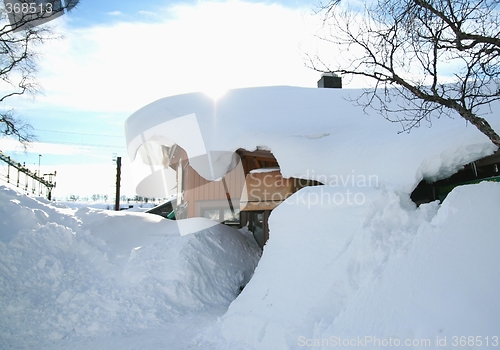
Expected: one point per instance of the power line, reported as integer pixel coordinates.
(85, 144)
(78, 133)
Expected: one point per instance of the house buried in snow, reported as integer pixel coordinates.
(245, 195)
(237, 158)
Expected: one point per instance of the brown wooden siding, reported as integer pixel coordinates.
(200, 189)
(197, 189)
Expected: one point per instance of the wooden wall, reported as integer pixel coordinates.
(199, 189)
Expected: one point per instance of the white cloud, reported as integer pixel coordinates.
(115, 13)
(209, 45)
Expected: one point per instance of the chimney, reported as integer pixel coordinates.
(330, 80)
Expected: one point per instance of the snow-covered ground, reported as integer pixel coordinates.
(368, 275)
(88, 278)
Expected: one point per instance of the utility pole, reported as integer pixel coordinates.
(118, 176)
(39, 175)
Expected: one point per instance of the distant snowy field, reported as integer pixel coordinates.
(385, 271)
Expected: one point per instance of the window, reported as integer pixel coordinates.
(212, 214)
(224, 215)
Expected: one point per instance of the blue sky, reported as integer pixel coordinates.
(117, 56)
(94, 12)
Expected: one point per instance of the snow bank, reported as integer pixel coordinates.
(383, 270)
(67, 273)
(445, 284)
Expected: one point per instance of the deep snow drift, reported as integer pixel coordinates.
(68, 274)
(339, 275)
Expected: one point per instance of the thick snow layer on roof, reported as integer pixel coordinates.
(313, 133)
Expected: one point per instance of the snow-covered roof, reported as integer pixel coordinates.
(313, 133)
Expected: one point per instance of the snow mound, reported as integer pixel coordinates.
(334, 272)
(67, 273)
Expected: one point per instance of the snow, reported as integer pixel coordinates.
(264, 170)
(351, 264)
(384, 269)
(313, 133)
(67, 274)
(445, 284)
(332, 271)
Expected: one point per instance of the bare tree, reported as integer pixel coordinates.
(438, 56)
(21, 31)
(11, 125)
